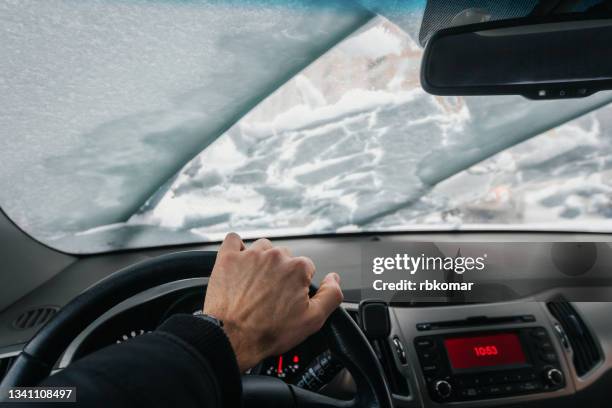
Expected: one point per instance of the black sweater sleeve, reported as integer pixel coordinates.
(186, 362)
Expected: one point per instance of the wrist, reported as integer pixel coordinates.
(246, 355)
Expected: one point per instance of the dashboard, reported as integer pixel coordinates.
(415, 372)
(490, 355)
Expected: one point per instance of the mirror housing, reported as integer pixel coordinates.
(539, 59)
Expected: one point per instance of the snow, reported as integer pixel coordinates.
(103, 101)
(350, 143)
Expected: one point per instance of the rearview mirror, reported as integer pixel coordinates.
(543, 60)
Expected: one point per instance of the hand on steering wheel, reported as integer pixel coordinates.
(261, 295)
(345, 340)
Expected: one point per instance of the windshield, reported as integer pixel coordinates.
(133, 123)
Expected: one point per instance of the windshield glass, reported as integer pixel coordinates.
(132, 123)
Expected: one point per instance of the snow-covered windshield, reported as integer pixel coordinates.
(129, 124)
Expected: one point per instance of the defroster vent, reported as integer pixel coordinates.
(34, 317)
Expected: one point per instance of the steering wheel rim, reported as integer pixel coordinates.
(347, 342)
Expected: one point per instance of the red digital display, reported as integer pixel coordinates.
(484, 351)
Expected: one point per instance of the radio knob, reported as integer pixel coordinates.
(554, 376)
(443, 389)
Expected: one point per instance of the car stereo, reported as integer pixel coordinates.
(489, 364)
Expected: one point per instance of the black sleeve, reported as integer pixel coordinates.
(186, 362)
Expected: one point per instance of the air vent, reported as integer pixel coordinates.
(586, 352)
(35, 317)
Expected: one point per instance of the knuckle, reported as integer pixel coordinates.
(227, 257)
(303, 264)
(275, 253)
(263, 241)
(285, 250)
(251, 256)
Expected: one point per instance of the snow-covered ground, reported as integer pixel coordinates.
(350, 143)
(342, 147)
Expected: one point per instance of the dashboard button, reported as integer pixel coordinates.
(516, 377)
(529, 375)
(429, 356)
(430, 368)
(539, 333)
(469, 392)
(501, 378)
(529, 386)
(545, 345)
(443, 389)
(493, 390)
(554, 377)
(548, 357)
(424, 343)
(468, 381)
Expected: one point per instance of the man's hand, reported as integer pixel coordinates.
(261, 295)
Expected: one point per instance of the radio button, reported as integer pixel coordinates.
(539, 333)
(545, 345)
(428, 356)
(494, 390)
(470, 392)
(424, 343)
(501, 378)
(554, 377)
(529, 386)
(530, 375)
(522, 376)
(548, 357)
(443, 389)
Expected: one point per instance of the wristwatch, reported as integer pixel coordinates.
(201, 315)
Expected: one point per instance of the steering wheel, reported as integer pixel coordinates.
(345, 339)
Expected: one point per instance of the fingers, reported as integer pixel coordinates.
(261, 245)
(231, 243)
(326, 300)
(264, 244)
(304, 264)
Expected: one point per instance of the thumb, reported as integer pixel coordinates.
(327, 299)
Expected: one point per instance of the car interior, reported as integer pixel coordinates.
(451, 128)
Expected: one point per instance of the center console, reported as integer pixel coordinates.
(479, 364)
